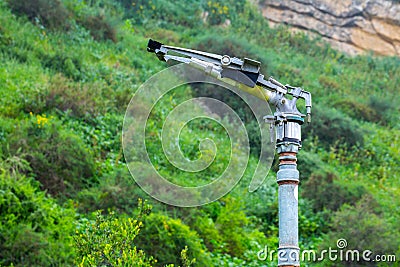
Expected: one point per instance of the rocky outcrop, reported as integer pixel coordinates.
(353, 26)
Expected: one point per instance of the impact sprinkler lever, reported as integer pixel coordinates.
(285, 126)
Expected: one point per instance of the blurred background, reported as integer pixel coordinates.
(69, 69)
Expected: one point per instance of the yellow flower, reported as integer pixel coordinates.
(41, 120)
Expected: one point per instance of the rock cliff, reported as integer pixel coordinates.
(353, 26)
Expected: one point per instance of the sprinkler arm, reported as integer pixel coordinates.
(244, 74)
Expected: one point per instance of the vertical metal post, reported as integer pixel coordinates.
(288, 136)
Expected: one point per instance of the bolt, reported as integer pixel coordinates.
(225, 60)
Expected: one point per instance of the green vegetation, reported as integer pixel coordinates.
(69, 69)
(35, 230)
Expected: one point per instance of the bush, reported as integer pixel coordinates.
(329, 83)
(70, 66)
(175, 13)
(230, 223)
(49, 13)
(58, 159)
(363, 228)
(109, 241)
(291, 75)
(97, 17)
(312, 224)
(102, 134)
(116, 191)
(226, 229)
(34, 230)
(309, 163)
(54, 15)
(207, 230)
(99, 27)
(357, 110)
(333, 128)
(386, 110)
(165, 238)
(326, 193)
(76, 99)
(217, 12)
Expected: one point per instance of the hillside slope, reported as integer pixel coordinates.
(69, 69)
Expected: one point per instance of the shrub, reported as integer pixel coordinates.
(109, 241)
(326, 193)
(70, 66)
(385, 109)
(49, 13)
(97, 17)
(116, 191)
(333, 128)
(79, 100)
(357, 110)
(363, 228)
(102, 134)
(58, 159)
(291, 75)
(233, 225)
(99, 27)
(309, 163)
(217, 13)
(230, 222)
(165, 238)
(207, 230)
(175, 13)
(329, 83)
(34, 230)
(312, 224)
(54, 15)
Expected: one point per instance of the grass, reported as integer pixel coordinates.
(85, 85)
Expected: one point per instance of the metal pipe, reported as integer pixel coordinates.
(288, 180)
(288, 135)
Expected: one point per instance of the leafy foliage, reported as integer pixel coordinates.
(58, 159)
(322, 188)
(333, 128)
(78, 101)
(114, 192)
(166, 238)
(110, 241)
(99, 28)
(364, 229)
(34, 229)
(51, 14)
(58, 64)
